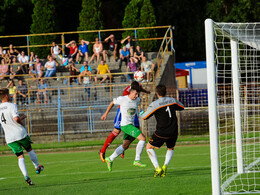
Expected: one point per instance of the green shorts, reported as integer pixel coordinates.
(17, 145)
(131, 130)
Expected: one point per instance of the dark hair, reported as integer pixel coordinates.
(135, 83)
(136, 88)
(3, 93)
(161, 90)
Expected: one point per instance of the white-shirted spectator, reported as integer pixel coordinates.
(148, 67)
(24, 60)
(50, 67)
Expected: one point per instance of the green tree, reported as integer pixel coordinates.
(147, 19)
(43, 21)
(90, 18)
(131, 17)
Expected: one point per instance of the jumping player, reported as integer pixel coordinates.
(129, 109)
(16, 135)
(117, 121)
(166, 129)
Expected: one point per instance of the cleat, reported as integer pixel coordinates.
(28, 181)
(39, 169)
(138, 163)
(164, 169)
(157, 172)
(122, 155)
(109, 164)
(102, 157)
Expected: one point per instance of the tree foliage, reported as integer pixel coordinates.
(147, 19)
(43, 21)
(90, 18)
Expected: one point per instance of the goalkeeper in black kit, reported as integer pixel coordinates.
(166, 129)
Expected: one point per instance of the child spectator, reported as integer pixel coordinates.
(36, 69)
(83, 68)
(83, 51)
(112, 48)
(148, 67)
(24, 60)
(42, 90)
(73, 50)
(103, 69)
(32, 58)
(51, 67)
(129, 44)
(73, 72)
(124, 56)
(131, 67)
(22, 91)
(86, 74)
(12, 90)
(97, 51)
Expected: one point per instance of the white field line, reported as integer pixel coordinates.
(103, 172)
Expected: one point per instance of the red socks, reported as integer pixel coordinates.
(108, 141)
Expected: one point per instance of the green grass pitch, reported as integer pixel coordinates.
(83, 173)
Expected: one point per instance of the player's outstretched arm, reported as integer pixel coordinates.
(104, 116)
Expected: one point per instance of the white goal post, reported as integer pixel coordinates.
(233, 72)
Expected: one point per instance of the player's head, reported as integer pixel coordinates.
(4, 94)
(134, 92)
(135, 83)
(161, 90)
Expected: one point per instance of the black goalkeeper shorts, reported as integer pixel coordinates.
(157, 142)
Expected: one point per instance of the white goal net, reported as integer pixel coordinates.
(233, 63)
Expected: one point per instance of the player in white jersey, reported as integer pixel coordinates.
(129, 108)
(15, 134)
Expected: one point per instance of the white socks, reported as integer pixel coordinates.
(22, 166)
(34, 159)
(117, 152)
(139, 150)
(153, 157)
(168, 157)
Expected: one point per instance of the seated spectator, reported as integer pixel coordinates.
(24, 60)
(50, 67)
(131, 67)
(124, 57)
(97, 51)
(85, 63)
(112, 48)
(55, 50)
(73, 72)
(32, 59)
(42, 91)
(15, 69)
(4, 70)
(86, 74)
(36, 69)
(83, 51)
(22, 92)
(148, 67)
(129, 44)
(12, 52)
(73, 50)
(12, 90)
(2, 52)
(138, 54)
(102, 70)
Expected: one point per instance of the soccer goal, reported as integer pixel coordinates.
(233, 72)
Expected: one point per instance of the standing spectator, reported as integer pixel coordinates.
(15, 69)
(4, 69)
(22, 91)
(83, 51)
(124, 56)
(73, 72)
(83, 68)
(36, 69)
(131, 67)
(12, 90)
(148, 67)
(73, 50)
(42, 90)
(138, 54)
(24, 60)
(12, 52)
(86, 74)
(103, 69)
(55, 50)
(128, 42)
(97, 51)
(51, 67)
(112, 48)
